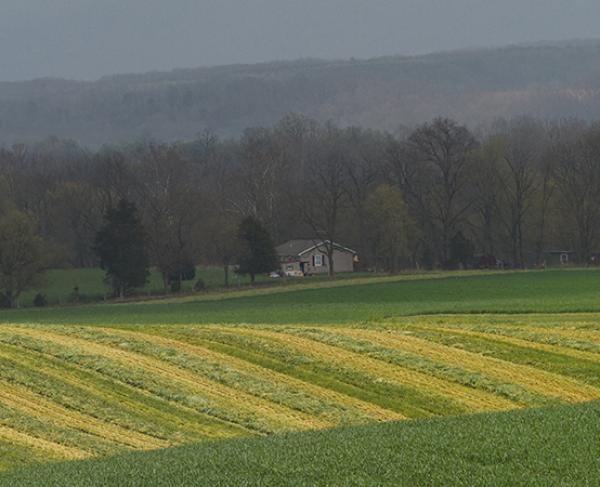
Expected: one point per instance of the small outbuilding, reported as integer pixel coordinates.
(559, 257)
(308, 257)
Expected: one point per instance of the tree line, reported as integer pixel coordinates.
(437, 196)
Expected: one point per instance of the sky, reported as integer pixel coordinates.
(86, 39)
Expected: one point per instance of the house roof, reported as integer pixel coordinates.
(302, 246)
(294, 247)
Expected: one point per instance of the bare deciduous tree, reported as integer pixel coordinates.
(323, 197)
(521, 141)
(443, 151)
(168, 201)
(577, 174)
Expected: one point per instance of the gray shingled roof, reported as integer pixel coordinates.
(296, 247)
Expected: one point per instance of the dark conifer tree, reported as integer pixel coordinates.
(258, 253)
(461, 251)
(121, 247)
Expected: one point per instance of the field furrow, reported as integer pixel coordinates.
(580, 346)
(529, 378)
(250, 381)
(122, 404)
(195, 415)
(39, 407)
(327, 374)
(273, 416)
(572, 390)
(592, 336)
(334, 400)
(471, 398)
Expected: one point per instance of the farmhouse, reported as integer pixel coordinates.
(310, 257)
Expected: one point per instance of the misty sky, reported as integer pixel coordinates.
(85, 39)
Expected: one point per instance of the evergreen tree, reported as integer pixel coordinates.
(461, 251)
(121, 247)
(258, 252)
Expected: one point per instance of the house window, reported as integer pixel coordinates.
(318, 261)
(290, 268)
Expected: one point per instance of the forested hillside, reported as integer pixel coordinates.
(545, 81)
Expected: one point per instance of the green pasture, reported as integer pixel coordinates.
(58, 284)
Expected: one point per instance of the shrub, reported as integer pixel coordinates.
(74, 297)
(185, 272)
(40, 300)
(200, 285)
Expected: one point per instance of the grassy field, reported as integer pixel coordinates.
(552, 447)
(316, 356)
(59, 283)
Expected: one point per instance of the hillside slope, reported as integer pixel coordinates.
(72, 392)
(547, 80)
(552, 447)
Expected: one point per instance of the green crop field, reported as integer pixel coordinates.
(215, 370)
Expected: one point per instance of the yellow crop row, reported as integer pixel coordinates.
(50, 448)
(574, 334)
(519, 342)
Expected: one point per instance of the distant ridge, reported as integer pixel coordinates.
(543, 79)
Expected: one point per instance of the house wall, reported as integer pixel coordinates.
(343, 262)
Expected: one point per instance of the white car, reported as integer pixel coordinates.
(294, 274)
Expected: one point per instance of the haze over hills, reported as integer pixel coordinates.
(548, 80)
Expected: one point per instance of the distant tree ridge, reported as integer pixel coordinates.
(473, 86)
